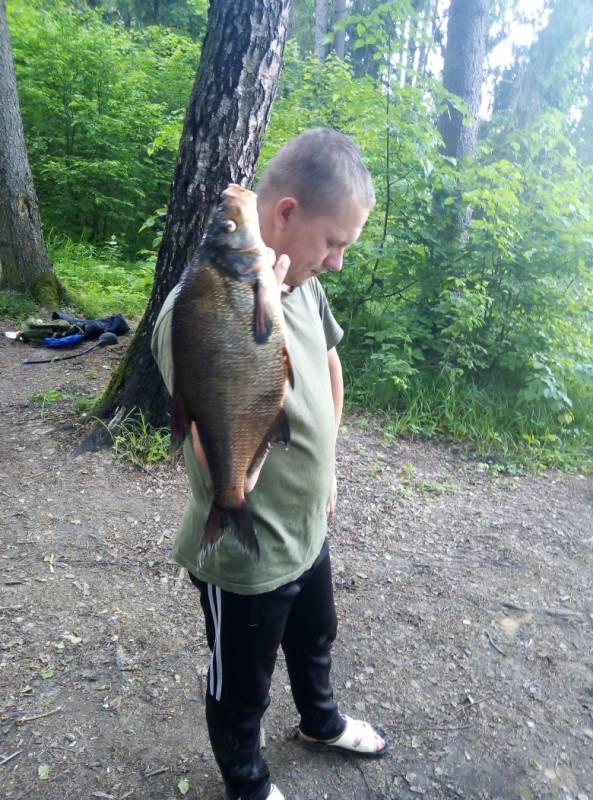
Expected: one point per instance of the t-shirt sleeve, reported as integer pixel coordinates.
(161, 342)
(331, 329)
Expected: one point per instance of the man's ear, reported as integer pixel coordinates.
(284, 210)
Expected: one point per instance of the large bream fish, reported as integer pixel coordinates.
(230, 361)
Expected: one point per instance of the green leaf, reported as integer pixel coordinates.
(43, 772)
(72, 638)
(47, 672)
(183, 786)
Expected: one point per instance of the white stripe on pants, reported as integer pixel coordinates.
(215, 682)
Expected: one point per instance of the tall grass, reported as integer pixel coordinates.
(15, 306)
(99, 281)
(506, 434)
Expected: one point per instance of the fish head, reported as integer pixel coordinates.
(233, 238)
(239, 206)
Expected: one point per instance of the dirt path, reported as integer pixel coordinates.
(465, 603)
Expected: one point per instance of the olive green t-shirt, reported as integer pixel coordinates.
(288, 504)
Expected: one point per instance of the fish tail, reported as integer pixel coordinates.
(213, 529)
(241, 526)
(244, 529)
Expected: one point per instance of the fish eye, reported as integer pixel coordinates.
(229, 225)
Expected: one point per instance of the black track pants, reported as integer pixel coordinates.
(244, 633)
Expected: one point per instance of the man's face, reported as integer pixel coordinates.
(316, 243)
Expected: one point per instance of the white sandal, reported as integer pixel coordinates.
(275, 794)
(358, 737)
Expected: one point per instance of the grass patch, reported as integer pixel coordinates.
(46, 398)
(99, 281)
(139, 443)
(16, 306)
(435, 487)
(81, 404)
(84, 404)
(505, 434)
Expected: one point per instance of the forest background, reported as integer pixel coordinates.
(467, 302)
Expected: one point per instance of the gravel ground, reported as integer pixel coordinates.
(465, 605)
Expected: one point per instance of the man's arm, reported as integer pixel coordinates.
(337, 386)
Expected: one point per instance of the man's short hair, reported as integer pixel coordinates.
(321, 168)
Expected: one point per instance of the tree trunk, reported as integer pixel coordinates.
(463, 72)
(431, 31)
(551, 74)
(339, 35)
(222, 135)
(320, 28)
(24, 261)
(416, 26)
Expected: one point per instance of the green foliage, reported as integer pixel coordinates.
(505, 433)
(16, 306)
(485, 336)
(82, 404)
(99, 281)
(46, 398)
(188, 16)
(137, 442)
(94, 98)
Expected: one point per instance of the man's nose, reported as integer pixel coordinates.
(334, 261)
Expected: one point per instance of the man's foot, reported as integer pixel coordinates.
(357, 737)
(275, 794)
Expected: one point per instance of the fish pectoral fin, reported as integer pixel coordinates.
(279, 431)
(179, 421)
(262, 322)
(288, 368)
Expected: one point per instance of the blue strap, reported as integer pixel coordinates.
(65, 341)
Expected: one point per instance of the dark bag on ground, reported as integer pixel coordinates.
(93, 328)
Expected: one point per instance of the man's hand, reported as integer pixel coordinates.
(333, 499)
(280, 267)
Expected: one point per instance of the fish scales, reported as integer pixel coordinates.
(236, 410)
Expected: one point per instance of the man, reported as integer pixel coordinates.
(313, 200)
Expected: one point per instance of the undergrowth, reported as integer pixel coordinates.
(81, 404)
(139, 443)
(16, 306)
(497, 426)
(500, 430)
(99, 281)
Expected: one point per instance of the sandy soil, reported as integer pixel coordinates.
(465, 604)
